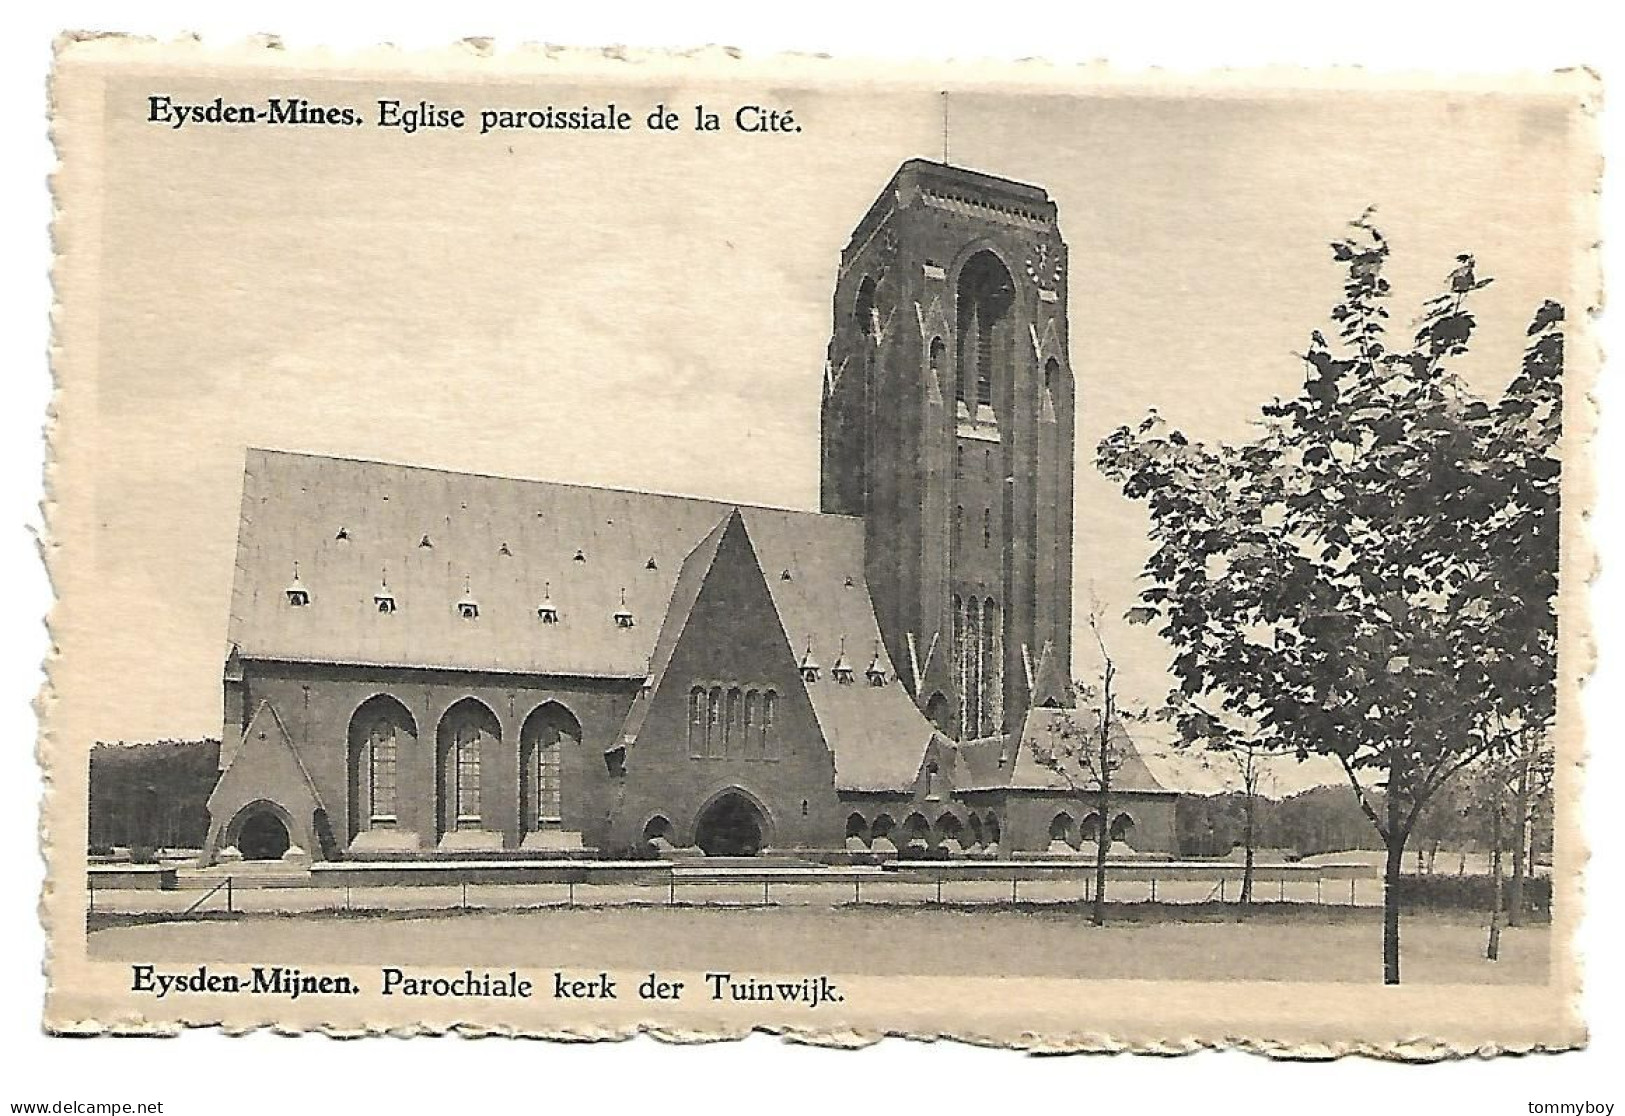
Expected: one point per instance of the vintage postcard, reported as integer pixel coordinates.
(565, 544)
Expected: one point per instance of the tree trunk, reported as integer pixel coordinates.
(1103, 843)
(1493, 949)
(1520, 821)
(1393, 869)
(1248, 810)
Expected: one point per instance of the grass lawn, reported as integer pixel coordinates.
(1287, 943)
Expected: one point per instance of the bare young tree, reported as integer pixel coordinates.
(1086, 748)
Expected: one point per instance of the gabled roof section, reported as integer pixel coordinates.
(1132, 777)
(1051, 687)
(512, 543)
(690, 579)
(877, 734)
(267, 759)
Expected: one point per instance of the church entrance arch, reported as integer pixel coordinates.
(263, 836)
(731, 824)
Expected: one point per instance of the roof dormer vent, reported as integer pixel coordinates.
(876, 674)
(384, 599)
(298, 595)
(547, 612)
(841, 670)
(623, 615)
(467, 607)
(809, 665)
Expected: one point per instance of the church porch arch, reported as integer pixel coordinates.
(733, 822)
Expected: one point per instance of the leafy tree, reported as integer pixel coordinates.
(1372, 575)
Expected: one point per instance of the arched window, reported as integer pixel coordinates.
(713, 723)
(381, 760)
(855, 827)
(770, 736)
(696, 723)
(882, 828)
(1052, 370)
(732, 744)
(468, 776)
(542, 740)
(465, 731)
(985, 297)
(381, 733)
(753, 724)
(865, 311)
(1061, 831)
(1090, 829)
(992, 828)
(916, 828)
(939, 353)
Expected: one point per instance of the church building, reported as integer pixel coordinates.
(426, 664)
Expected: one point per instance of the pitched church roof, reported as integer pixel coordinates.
(437, 538)
(442, 540)
(1021, 770)
(876, 732)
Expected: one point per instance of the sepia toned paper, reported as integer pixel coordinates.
(565, 544)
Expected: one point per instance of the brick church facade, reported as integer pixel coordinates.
(426, 664)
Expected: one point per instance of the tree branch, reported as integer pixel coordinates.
(1359, 793)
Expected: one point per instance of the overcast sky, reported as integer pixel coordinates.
(652, 311)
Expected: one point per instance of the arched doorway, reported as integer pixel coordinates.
(263, 837)
(732, 825)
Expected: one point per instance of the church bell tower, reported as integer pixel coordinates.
(948, 428)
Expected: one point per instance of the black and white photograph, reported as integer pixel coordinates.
(576, 546)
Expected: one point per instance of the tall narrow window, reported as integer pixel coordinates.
(547, 735)
(468, 776)
(987, 528)
(992, 668)
(713, 723)
(549, 782)
(985, 296)
(770, 737)
(696, 723)
(731, 744)
(381, 735)
(753, 724)
(959, 526)
(381, 771)
(972, 697)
